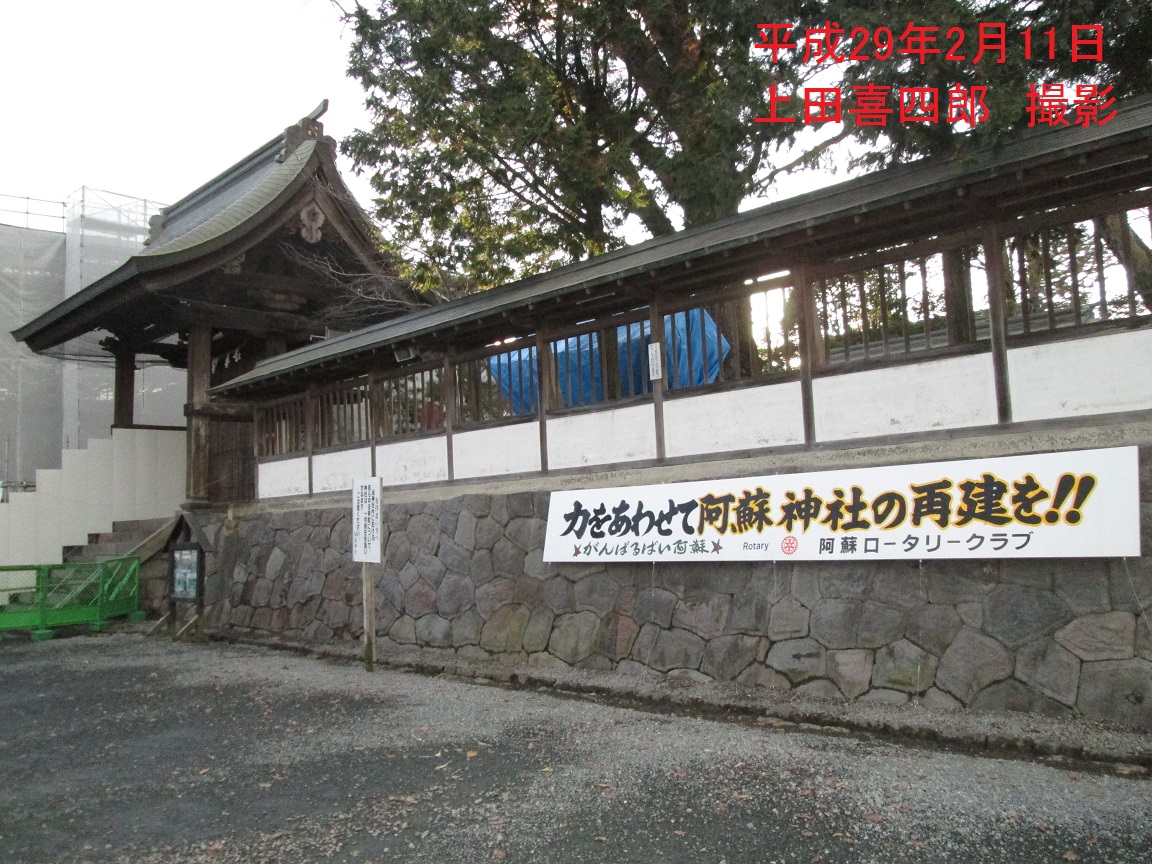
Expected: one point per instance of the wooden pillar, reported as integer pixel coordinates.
(544, 387)
(656, 337)
(124, 388)
(199, 379)
(806, 326)
(449, 390)
(997, 274)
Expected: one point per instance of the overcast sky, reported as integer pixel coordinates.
(151, 98)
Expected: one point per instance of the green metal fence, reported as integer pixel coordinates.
(39, 597)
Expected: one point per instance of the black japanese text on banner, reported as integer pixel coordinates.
(1075, 504)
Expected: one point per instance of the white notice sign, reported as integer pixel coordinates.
(1078, 504)
(366, 520)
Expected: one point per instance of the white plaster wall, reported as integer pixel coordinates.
(949, 393)
(602, 437)
(283, 477)
(421, 460)
(332, 472)
(502, 450)
(1081, 376)
(746, 419)
(137, 474)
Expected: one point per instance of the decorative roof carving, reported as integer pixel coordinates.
(309, 128)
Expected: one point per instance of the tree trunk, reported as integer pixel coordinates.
(1130, 251)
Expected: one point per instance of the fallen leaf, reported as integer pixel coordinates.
(875, 818)
(600, 839)
(679, 773)
(603, 785)
(499, 854)
(204, 771)
(425, 729)
(803, 793)
(441, 767)
(546, 770)
(679, 833)
(472, 754)
(807, 834)
(1071, 856)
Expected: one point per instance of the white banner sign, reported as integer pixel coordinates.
(1051, 505)
(366, 520)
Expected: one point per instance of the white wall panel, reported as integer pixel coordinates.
(602, 437)
(747, 419)
(1079, 377)
(332, 472)
(282, 477)
(949, 393)
(421, 460)
(503, 450)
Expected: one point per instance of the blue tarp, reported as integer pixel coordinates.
(578, 362)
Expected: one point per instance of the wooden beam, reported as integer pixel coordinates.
(124, 388)
(997, 275)
(225, 317)
(656, 337)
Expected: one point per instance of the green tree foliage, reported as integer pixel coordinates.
(513, 135)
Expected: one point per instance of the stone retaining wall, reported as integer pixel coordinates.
(466, 577)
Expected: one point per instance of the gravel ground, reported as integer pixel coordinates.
(120, 748)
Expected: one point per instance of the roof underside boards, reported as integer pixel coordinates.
(1043, 169)
(151, 295)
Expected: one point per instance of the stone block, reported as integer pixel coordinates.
(788, 620)
(645, 642)
(1017, 615)
(850, 671)
(386, 615)
(958, 581)
(403, 630)
(423, 532)
(333, 586)
(540, 502)
(752, 606)
(971, 663)
(1083, 585)
(798, 660)
(724, 577)
(488, 531)
(655, 605)
(539, 630)
(480, 570)
(544, 660)
(880, 625)
(477, 505)
(759, 675)
(529, 592)
(576, 572)
(617, 633)
(688, 676)
(261, 619)
(933, 628)
(1049, 668)
(905, 667)
(466, 628)
(597, 593)
(677, 649)
(454, 595)
(434, 631)
(626, 602)
(898, 584)
(398, 552)
(885, 697)
(526, 532)
(330, 560)
(465, 536)
(806, 584)
(261, 592)
(430, 568)
(972, 614)
(507, 559)
(318, 632)
(1130, 583)
(492, 595)
(454, 556)
(1106, 636)
(1030, 572)
(520, 504)
(845, 581)
(335, 613)
(836, 623)
(408, 575)
(504, 630)
(473, 653)
(631, 667)
(447, 521)
(941, 701)
(597, 663)
(275, 565)
(559, 595)
(420, 599)
(536, 567)
(1118, 691)
(705, 615)
(574, 636)
(1013, 695)
(728, 656)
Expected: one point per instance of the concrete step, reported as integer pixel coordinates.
(141, 527)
